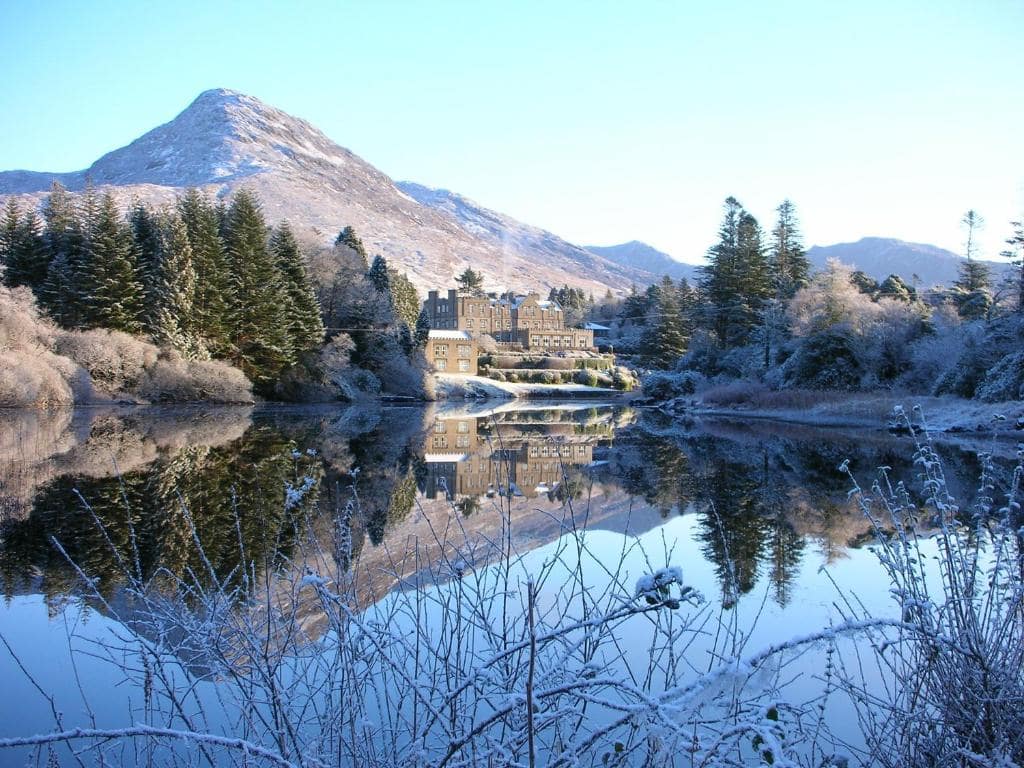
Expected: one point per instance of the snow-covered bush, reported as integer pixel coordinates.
(116, 361)
(665, 385)
(826, 360)
(586, 377)
(621, 378)
(175, 379)
(1004, 381)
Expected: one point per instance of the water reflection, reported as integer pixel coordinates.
(256, 483)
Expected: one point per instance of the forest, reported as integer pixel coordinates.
(759, 314)
(156, 305)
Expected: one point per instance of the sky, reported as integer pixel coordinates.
(601, 121)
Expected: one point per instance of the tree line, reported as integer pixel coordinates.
(741, 315)
(208, 278)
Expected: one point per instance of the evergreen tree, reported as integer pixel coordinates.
(305, 325)
(174, 291)
(378, 275)
(202, 225)
(257, 328)
(972, 289)
(405, 301)
(664, 341)
(789, 264)
(736, 281)
(720, 277)
(147, 236)
(1015, 253)
(894, 287)
(28, 261)
(348, 238)
(114, 293)
(9, 234)
(471, 282)
(634, 308)
(422, 331)
(64, 240)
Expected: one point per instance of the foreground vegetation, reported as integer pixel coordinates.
(495, 658)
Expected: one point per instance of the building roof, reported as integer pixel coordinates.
(453, 335)
(595, 327)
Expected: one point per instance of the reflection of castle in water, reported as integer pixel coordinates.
(472, 456)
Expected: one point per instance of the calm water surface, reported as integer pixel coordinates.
(749, 511)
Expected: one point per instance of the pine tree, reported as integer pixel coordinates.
(664, 340)
(305, 325)
(114, 293)
(63, 237)
(348, 238)
(471, 281)
(147, 236)
(9, 235)
(789, 264)
(737, 280)
(174, 290)
(972, 289)
(405, 301)
(202, 224)
(1015, 253)
(258, 328)
(28, 262)
(720, 277)
(378, 275)
(422, 332)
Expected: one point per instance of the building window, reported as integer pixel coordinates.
(464, 366)
(462, 441)
(440, 442)
(583, 342)
(472, 309)
(441, 350)
(567, 341)
(441, 364)
(463, 427)
(469, 323)
(465, 350)
(535, 340)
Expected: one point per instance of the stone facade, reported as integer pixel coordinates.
(528, 321)
(452, 352)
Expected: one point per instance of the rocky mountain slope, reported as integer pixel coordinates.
(637, 255)
(225, 140)
(880, 257)
(506, 233)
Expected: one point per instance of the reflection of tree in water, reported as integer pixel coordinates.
(468, 505)
(143, 512)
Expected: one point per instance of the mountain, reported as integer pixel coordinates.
(880, 257)
(504, 232)
(637, 255)
(225, 140)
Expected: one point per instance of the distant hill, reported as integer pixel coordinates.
(880, 257)
(508, 235)
(225, 140)
(642, 256)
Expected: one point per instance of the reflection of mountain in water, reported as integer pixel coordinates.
(433, 487)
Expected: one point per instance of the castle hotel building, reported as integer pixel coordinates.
(525, 321)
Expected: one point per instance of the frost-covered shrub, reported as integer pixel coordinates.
(826, 360)
(401, 376)
(702, 354)
(486, 344)
(33, 380)
(1004, 381)
(664, 385)
(742, 362)
(174, 379)
(550, 377)
(496, 375)
(622, 379)
(115, 360)
(586, 377)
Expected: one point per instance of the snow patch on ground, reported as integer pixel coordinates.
(452, 386)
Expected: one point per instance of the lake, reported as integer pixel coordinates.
(403, 501)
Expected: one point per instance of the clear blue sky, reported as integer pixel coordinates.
(601, 121)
